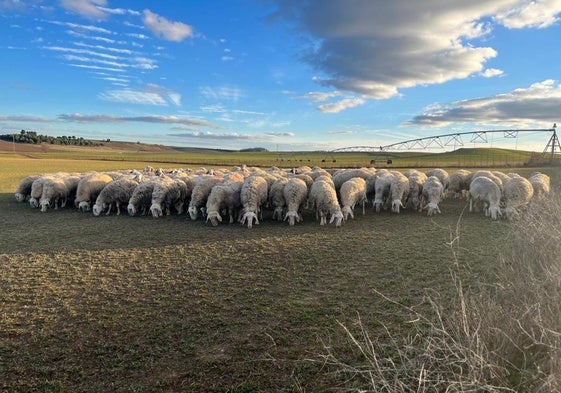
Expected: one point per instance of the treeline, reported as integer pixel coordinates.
(34, 138)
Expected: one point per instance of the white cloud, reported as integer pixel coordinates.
(321, 96)
(163, 28)
(27, 118)
(87, 8)
(221, 93)
(491, 72)
(219, 136)
(377, 48)
(533, 14)
(536, 105)
(339, 106)
(151, 94)
(281, 134)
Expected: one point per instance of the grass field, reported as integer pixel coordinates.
(135, 304)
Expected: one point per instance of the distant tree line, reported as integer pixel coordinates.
(34, 138)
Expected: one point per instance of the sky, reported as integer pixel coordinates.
(286, 75)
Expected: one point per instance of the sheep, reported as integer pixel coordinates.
(382, 190)
(253, 195)
(517, 192)
(117, 192)
(89, 188)
(24, 188)
(58, 189)
(416, 181)
(141, 198)
(37, 189)
(324, 200)
(352, 191)
(432, 195)
(199, 195)
(489, 175)
(458, 183)
(223, 196)
(276, 198)
(441, 174)
(345, 174)
(501, 175)
(168, 193)
(540, 184)
(295, 194)
(486, 190)
(399, 186)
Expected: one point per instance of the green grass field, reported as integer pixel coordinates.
(136, 304)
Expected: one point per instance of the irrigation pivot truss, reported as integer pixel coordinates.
(456, 140)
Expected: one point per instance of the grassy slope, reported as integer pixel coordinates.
(137, 304)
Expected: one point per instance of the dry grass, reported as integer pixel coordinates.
(503, 337)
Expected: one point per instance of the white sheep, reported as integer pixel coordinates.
(117, 193)
(352, 191)
(441, 174)
(458, 183)
(432, 195)
(517, 192)
(399, 187)
(382, 185)
(24, 188)
(89, 188)
(276, 198)
(141, 198)
(416, 181)
(168, 193)
(253, 197)
(541, 184)
(57, 189)
(484, 189)
(199, 195)
(37, 189)
(345, 174)
(324, 200)
(224, 197)
(295, 194)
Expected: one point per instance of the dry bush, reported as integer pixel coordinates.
(503, 337)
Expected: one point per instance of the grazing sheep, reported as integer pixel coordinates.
(416, 181)
(117, 193)
(141, 198)
(352, 191)
(486, 190)
(382, 190)
(276, 198)
(224, 197)
(441, 174)
(168, 193)
(24, 188)
(89, 188)
(253, 197)
(540, 183)
(58, 189)
(432, 195)
(345, 174)
(199, 195)
(37, 189)
(295, 194)
(399, 187)
(458, 183)
(489, 175)
(324, 200)
(517, 192)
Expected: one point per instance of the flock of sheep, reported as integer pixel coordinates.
(241, 194)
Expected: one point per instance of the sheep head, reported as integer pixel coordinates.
(44, 203)
(495, 212)
(336, 218)
(20, 197)
(347, 211)
(292, 218)
(249, 217)
(84, 206)
(214, 218)
(131, 209)
(34, 203)
(396, 204)
(378, 203)
(193, 212)
(97, 209)
(277, 213)
(156, 210)
(432, 208)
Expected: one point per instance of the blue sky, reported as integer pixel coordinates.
(284, 75)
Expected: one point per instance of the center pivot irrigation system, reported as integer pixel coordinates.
(456, 140)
